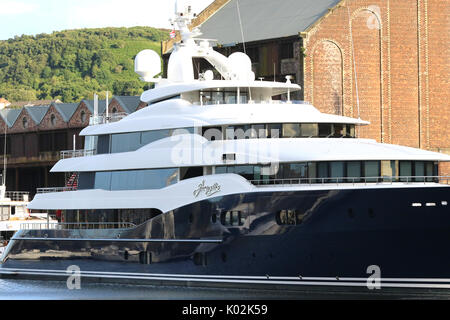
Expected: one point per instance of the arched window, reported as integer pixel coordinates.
(83, 116)
(114, 110)
(53, 120)
(25, 122)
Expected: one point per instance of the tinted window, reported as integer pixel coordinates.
(125, 142)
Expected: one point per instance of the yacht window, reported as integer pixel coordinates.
(429, 168)
(86, 180)
(103, 180)
(291, 130)
(230, 97)
(419, 170)
(312, 171)
(103, 144)
(338, 131)
(405, 170)
(337, 171)
(295, 171)
(371, 169)
(322, 170)
(324, 130)
(388, 170)
(258, 131)
(192, 172)
(217, 97)
(310, 130)
(274, 130)
(354, 171)
(151, 136)
(125, 142)
(212, 133)
(350, 131)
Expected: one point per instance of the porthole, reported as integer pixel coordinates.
(289, 217)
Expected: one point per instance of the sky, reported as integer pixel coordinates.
(32, 17)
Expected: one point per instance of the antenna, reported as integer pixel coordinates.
(243, 42)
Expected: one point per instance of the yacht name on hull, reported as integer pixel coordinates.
(208, 190)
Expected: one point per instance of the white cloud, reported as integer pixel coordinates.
(16, 8)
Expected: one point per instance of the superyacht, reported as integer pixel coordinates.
(218, 181)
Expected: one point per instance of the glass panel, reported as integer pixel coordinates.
(312, 172)
(350, 131)
(103, 180)
(217, 97)
(309, 130)
(86, 180)
(230, 97)
(338, 130)
(213, 133)
(405, 170)
(125, 142)
(103, 144)
(221, 169)
(388, 170)
(259, 131)
(419, 171)
(245, 171)
(275, 130)
(353, 171)
(151, 136)
(324, 130)
(90, 143)
(296, 171)
(429, 170)
(123, 180)
(337, 171)
(291, 130)
(322, 172)
(371, 169)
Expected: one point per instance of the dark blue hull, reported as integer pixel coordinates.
(341, 234)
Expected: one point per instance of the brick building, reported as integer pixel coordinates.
(35, 136)
(399, 52)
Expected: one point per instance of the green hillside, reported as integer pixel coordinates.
(72, 65)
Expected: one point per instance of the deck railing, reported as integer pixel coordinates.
(114, 117)
(67, 154)
(354, 180)
(77, 226)
(55, 189)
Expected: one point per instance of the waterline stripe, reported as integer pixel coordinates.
(361, 282)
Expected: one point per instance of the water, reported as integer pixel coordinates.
(12, 289)
(18, 289)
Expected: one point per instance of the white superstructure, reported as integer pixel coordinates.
(227, 129)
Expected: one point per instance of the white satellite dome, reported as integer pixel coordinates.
(241, 66)
(147, 65)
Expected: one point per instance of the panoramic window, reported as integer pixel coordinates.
(278, 130)
(129, 179)
(331, 172)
